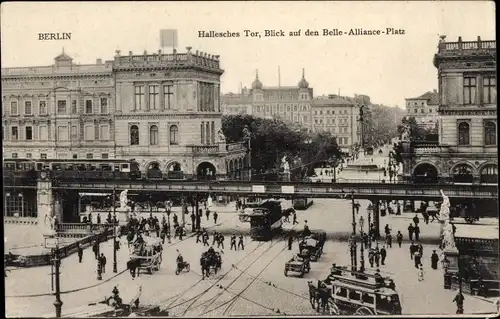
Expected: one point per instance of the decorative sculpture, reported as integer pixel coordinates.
(222, 137)
(50, 220)
(448, 237)
(285, 164)
(405, 135)
(246, 133)
(444, 212)
(123, 199)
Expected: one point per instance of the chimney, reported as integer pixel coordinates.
(98, 61)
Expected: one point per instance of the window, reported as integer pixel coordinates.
(14, 155)
(13, 108)
(28, 133)
(167, 95)
(153, 135)
(43, 156)
(415, 110)
(207, 133)
(104, 105)
(42, 107)
(212, 130)
(463, 133)
(29, 155)
(104, 155)
(62, 133)
(489, 90)
(15, 133)
(174, 132)
(422, 111)
(90, 156)
(139, 98)
(74, 109)
(104, 132)
(27, 108)
(154, 97)
(44, 135)
(134, 135)
(74, 132)
(490, 135)
(469, 90)
(61, 107)
(88, 106)
(341, 292)
(89, 132)
(202, 132)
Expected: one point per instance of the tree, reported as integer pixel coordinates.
(271, 140)
(418, 132)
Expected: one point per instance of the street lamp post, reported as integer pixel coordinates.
(115, 268)
(362, 266)
(57, 263)
(369, 209)
(353, 236)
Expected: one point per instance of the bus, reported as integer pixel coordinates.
(265, 220)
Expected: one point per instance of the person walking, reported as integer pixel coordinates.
(95, 249)
(383, 255)
(459, 300)
(417, 259)
(290, 242)
(205, 238)
(387, 229)
(377, 257)
(366, 240)
(215, 238)
(98, 218)
(399, 238)
(420, 250)
(294, 218)
(416, 220)
(434, 260)
(412, 250)
(220, 240)
(207, 213)
(193, 223)
(416, 230)
(80, 253)
(388, 240)
(103, 263)
(233, 242)
(240, 242)
(371, 257)
(411, 229)
(215, 217)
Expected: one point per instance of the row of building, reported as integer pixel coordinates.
(337, 114)
(163, 110)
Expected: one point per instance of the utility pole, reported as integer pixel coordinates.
(57, 263)
(115, 267)
(353, 236)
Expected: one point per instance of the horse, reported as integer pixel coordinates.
(208, 262)
(318, 296)
(132, 265)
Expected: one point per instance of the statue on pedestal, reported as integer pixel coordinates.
(50, 221)
(448, 237)
(123, 199)
(405, 135)
(246, 133)
(285, 164)
(222, 137)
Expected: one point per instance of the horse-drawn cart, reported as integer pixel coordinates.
(147, 253)
(310, 247)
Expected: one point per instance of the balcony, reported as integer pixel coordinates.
(236, 147)
(424, 148)
(203, 150)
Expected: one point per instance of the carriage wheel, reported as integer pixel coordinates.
(308, 268)
(188, 267)
(286, 273)
(302, 271)
(363, 311)
(177, 271)
(333, 309)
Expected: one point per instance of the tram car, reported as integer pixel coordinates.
(19, 169)
(302, 203)
(265, 220)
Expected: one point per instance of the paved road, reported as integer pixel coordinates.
(264, 262)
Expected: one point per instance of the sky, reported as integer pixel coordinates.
(388, 68)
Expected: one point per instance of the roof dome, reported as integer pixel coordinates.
(256, 83)
(303, 84)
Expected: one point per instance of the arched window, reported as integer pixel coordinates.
(174, 135)
(134, 135)
(489, 174)
(153, 135)
(490, 134)
(463, 133)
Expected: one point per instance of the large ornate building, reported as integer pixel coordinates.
(163, 110)
(424, 108)
(467, 151)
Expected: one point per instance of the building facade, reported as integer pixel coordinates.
(467, 149)
(424, 108)
(162, 110)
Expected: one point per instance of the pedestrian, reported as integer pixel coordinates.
(412, 250)
(416, 220)
(416, 230)
(434, 260)
(198, 235)
(103, 263)
(240, 242)
(98, 218)
(387, 229)
(399, 238)
(157, 228)
(175, 218)
(377, 257)
(459, 300)
(420, 273)
(215, 238)
(425, 215)
(207, 213)
(95, 249)
(294, 218)
(215, 217)
(198, 220)
(417, 259)
(290, 242)
(163, 235)
(181, 231)
(233, 242)
(388, 240)
(193, 224)
(357, 207)
(220, 241)
(80, 253)
(366, 240)
(411, 229)
(205, 239)
(371, 257)
(383, 254)
(420, 249)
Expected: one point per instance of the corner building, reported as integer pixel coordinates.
(162, 110)
(467, 151)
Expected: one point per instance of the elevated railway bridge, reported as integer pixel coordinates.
(63, 196)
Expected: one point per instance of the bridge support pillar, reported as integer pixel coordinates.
(198, 213)
(376, 218)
